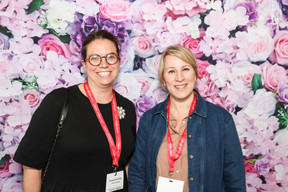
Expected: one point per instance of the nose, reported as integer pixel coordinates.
(179, 77)
(103, 63)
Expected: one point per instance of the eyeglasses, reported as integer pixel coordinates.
(95, 59)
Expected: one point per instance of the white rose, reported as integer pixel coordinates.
(60, 14)
(262, 105)
(128, 86)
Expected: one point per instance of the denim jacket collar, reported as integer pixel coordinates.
(200, 110)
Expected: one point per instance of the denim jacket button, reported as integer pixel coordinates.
(191, 179)
(191, 156)
(190, 136)
(190, 117)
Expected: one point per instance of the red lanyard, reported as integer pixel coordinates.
(171, 157)
(115, 150)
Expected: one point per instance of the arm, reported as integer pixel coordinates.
(234, 170)
(31, 179)
(137, 167)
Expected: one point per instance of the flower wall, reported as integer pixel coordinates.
(241, 48)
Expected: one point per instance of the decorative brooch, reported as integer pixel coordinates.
(121, 112)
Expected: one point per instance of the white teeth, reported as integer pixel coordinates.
(179, 87)
(103, 73)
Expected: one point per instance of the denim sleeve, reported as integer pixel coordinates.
(234, 170)
(136, 172)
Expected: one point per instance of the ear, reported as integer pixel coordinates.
(84, 64)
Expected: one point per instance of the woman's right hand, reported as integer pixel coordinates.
(31, 179)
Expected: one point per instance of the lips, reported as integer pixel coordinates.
(104, 74)
(180, 86)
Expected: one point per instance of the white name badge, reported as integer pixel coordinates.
(115, 181)
(169, 185)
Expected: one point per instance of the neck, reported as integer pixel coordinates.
(181, 107)
(102, 95)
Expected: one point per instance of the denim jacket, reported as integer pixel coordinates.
(215, 159)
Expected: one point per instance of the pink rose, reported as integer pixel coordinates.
(245, 70)
(29, 63)
(50, 42)
(280, 53)
(249, 167)
(189, 7)
(31, 97)
(143, 46)
(259, 51)
(193, 45)
(117, 10)
(4, 169)
(260, 44)
(273, 75)
(202, 65)
(143, 79)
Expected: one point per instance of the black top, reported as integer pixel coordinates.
(82, 157)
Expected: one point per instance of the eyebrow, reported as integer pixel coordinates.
(103, 55)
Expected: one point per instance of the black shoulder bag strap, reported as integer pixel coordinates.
(60, 124)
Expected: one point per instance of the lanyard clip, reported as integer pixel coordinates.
(115, 169)
(170, 173)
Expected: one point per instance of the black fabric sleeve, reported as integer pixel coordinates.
(35, 146)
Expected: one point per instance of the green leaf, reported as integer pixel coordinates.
(65, 38)
(2, 161)
(256, 82)
(34, 5)
(251, 160)
(282, 116)
(6, 31)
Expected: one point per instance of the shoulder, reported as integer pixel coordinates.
(56, 93)
(216, 109)
(216, 113)
(56, 96)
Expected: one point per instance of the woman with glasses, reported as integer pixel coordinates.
(98, 135)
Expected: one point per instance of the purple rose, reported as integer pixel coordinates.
(83, 27)
(144, 103)
(89, 25)
(263, 165)
(284, 6)
(118, 29)
(283, 93)
(251, 11)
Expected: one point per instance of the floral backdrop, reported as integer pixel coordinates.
(241, 47)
